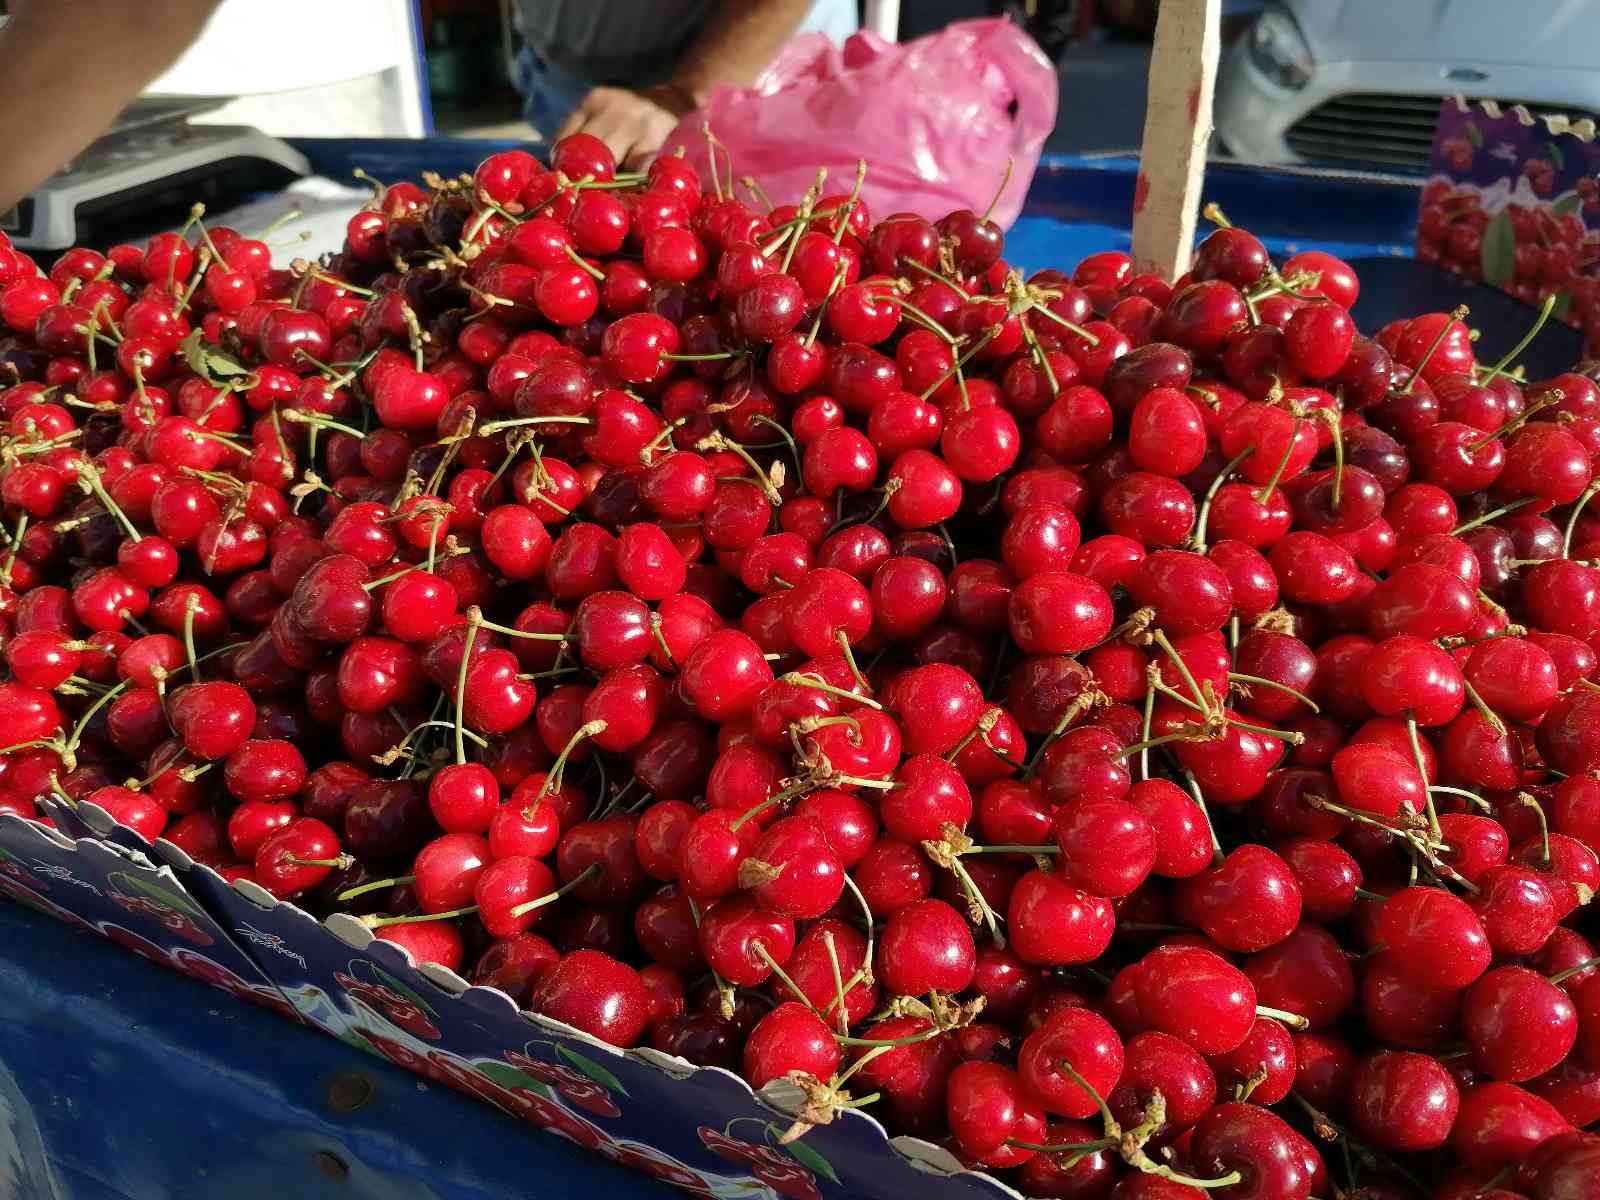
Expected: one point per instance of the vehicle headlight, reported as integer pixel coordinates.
(1279, 49)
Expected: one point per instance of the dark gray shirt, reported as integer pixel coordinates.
(634, 42)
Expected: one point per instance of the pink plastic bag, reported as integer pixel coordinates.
(936, 119)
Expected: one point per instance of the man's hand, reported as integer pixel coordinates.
(632, 124)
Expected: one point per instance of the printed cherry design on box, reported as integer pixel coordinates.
(779, 1169)
(589, 1086)
(29, 890)
(138, 943)
(638, 1157)
(390, 999)
(217, 975)
(177, 914)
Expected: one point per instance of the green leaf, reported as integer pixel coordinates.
(1556, 155)
(1570, 203)
(1474, 135)
(125, 881)
(1499, 253)
(591, 1068)
(810, 1159)
(390, 981)
(508, 1077)
(1563, 303)
(210, 363)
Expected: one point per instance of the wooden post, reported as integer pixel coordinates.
(1177, 131)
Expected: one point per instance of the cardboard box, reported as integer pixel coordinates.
(700, 1129)
(1513, 200)
(121, 894)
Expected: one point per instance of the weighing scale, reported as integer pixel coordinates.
(152, 164)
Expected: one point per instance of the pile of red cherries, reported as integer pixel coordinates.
(1140, 735)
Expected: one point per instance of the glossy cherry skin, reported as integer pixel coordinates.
(1401, 1100)
(925, 946)
(1257, 1144)
(986, 1104)
(1498, 1124)
(1519, 1024)
(1249, 901)
(790, 1038)
(1196, 996)
(1082, 1038)
(595, 993)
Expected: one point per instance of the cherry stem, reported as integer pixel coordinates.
(843, 639)
(1073, 1148)
(92, 480)
(1292, 1020)
(1005, 182)
(1261, 681)
(301, 417)
(980, 728)
(1085, 334)
(191, 606)
(1422, 771)
(1187, 734)
(418, 918)
(513, 422)
(851, 204)
(553, 779)
(512, 631)
(1516, 423)
(1331, 418)
(1459, 313)
(1081, 704)
(377, 885)
(1148, 719)
(866, 915)
(1265, 493)
(1585, 965)
(1526, 799)
(940, 277)
(474, 620)
(770, 802)
(1527, 340)
(1160, 639)
(1482, 706)
(923, 319)
(584, 264)
(839, 991)
(1048, 848)
(807, 204)
(1485, 518)
(529, 906)
(988, 336)
(1200, 799)
(1572, 518)
(717, 441)
(808, 680)
(760, 950)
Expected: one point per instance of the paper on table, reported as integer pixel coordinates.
(325, 206)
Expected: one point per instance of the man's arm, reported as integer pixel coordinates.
(70, 67)
(739, 39)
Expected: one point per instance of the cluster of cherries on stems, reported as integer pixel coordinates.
(1141, 735)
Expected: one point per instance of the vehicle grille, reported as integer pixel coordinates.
(1392, 132)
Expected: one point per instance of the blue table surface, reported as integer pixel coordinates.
(122, 1080)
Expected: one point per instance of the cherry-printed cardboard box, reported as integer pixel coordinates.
(1512, 200)
(119, 893)
(700, 1129)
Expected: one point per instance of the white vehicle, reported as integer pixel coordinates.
(1357, 83)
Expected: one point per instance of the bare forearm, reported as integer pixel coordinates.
(70, 67)
(736, 43)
